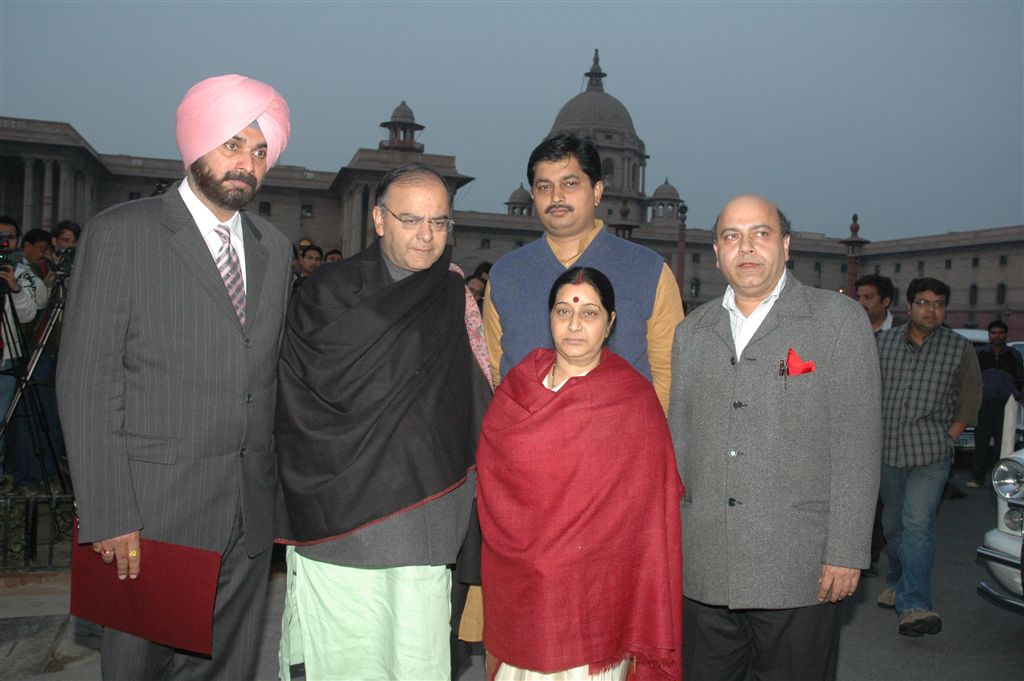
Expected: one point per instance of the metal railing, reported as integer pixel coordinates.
(35, 531)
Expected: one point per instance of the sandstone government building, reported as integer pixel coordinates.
(48, 172)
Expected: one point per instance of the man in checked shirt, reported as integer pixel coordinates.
(931, 390)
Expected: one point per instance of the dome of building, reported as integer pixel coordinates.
(402, 114)
(665, 191)
(520, 195)
(594, 108)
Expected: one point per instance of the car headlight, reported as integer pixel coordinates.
(1012, 518)
(1008, 479)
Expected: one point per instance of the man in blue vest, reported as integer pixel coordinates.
(565, 180)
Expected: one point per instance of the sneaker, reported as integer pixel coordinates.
(918, 622)
(887, 599)
(973, 484)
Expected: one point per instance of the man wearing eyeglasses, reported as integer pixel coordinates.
(383, 384)
(931, 390)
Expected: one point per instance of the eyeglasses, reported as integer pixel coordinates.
(933, 304)
(414, 221)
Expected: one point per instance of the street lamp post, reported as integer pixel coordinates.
(854, 244)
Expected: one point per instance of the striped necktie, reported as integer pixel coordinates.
(231, 272)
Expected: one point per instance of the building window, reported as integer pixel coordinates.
(842, 268)
(611, 211)
(896, 269)
(134, 195)
(974, 262)
(920, 266)
(878, 269)
(264, 207)
(972, 295)
(519, 242)
(790, 264)
(1002, 260)
(949, 264)
(695, 258)
(1001, 294)
(661, 210)
(817, 267)
(307, 210)
(485, 243)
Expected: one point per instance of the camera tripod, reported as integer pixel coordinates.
(41, 435)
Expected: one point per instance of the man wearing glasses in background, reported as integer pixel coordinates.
(383, 384)
(931, 390)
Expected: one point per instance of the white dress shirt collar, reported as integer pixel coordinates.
(744, 328)
(206, 221)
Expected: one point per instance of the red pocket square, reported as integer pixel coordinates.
(796, 366)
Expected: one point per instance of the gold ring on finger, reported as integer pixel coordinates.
(133, 553)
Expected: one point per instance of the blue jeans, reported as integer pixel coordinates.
(910, 501)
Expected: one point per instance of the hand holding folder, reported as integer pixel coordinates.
(171, 601)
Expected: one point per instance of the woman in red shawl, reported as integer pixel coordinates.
(578, 500)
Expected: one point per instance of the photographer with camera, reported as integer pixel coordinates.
(23, 295)
(34, 442)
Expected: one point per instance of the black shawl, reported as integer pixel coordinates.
(377, 407)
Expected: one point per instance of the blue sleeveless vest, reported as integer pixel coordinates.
(521, 281)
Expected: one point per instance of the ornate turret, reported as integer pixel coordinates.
(402, 129)
(520, 202)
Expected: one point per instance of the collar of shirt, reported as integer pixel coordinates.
(206, 221)
(744, 328)
(887, 324)
(568, 259)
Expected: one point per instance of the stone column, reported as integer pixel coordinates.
(80, 196)
(28, 202)
(90, 200)
(64, 193)
(47, 220)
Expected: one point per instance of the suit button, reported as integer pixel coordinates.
(248, 342)
(248, 398)
(737, 404)
(732, 452)
(242, 453)
(733, 502)
(732, 360)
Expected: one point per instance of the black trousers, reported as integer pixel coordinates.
(237, 628)
(990, 426)
(795, 644)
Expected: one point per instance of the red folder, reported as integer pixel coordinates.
(171, 601)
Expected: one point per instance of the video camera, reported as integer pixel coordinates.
(9, 256)
(65, 262)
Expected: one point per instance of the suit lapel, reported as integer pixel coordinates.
(188, 243)
(256, 259)
(791, 303)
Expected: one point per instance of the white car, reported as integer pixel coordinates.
(1002, 551)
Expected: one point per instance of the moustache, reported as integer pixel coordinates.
(558, 206)
(241, 177)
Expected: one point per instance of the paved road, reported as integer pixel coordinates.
(979, 641)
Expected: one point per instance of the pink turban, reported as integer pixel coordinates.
(216, 109)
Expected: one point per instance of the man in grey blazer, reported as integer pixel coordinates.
(775, 416)
(167, 379)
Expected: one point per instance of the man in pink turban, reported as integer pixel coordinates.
(168, 376)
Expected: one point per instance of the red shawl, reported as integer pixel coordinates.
(578, 496)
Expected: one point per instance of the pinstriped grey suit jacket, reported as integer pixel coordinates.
(166, 401)
(781, 473)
